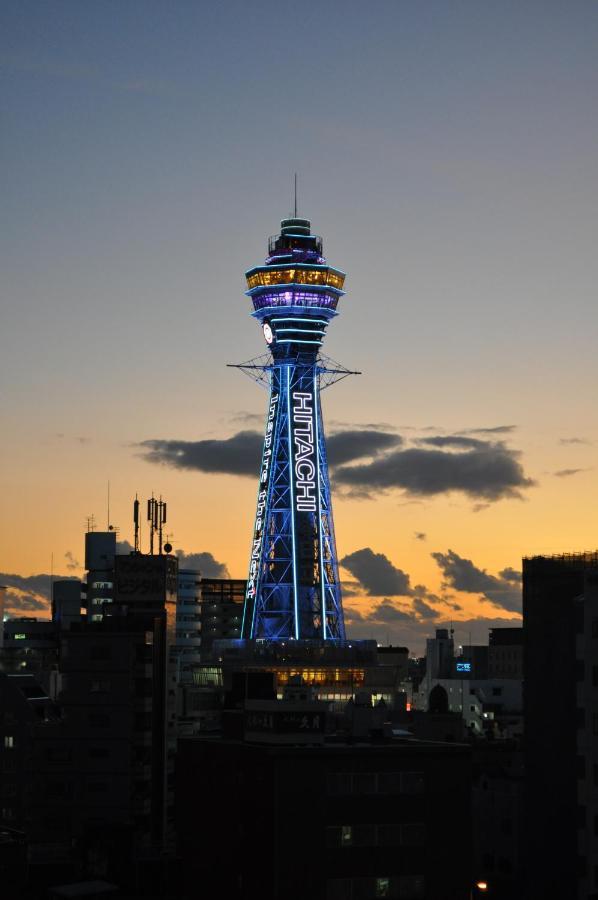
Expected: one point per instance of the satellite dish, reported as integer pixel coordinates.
(168, 548)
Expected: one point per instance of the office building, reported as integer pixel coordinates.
(323, 818)
(221, 611)
(560, 623)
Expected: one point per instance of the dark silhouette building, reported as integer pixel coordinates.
(324, 819)
(560, 615)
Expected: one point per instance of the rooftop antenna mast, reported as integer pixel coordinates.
(136, 521)
(161, 520)
(156, 515)
(108, 508)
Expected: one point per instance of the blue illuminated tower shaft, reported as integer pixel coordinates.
(293, 589)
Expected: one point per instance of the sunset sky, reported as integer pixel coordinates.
(447, 152)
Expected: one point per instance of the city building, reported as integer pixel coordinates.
(66, 603)
(323, 817)
(221, 611)
(188, 623)
(460, 684)
(560, 624)
(505, 653)
(30, 646)
(98, 587)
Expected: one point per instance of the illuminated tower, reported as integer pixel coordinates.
(293, 589)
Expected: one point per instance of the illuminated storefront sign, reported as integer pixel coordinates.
(463, 667)
(258, 528)
(304, 454)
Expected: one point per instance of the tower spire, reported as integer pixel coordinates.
(295, 207)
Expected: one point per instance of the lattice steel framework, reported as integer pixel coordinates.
(293, 588)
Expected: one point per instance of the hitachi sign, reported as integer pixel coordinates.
(305, 457)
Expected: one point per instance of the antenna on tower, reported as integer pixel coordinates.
(156, 515)
(108, 508)
(136, 521)
(161, 520)
(295, 210)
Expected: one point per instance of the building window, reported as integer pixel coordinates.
(411, 887)
(413, 834)
(101, 585)
(382, 887)
(58, 754)
(99, 687)
(99, 720)
(339, 889)
(97, 617)
(412, 782)
(389, 835)
(389, 782)
(98, 752)
(97, 787)
(99, 652)
(364, 783)
(339, 783)
(9, 742)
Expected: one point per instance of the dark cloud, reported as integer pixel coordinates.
(344, 446)
(247, 418)
(17, 603)
(337, 425)
(423, 610)
(123, 548)
(237, 455)
(240, 454)
(205, 562)
(510, 574)
(71, 563)
(387, 611)
(566, 473)
(28, 593)
(575, 440)
(484, 471)
(37, 585)
(351, 589)
(376, 573)
(420, 535)
(453, 440)
(462, 575)
(497, 429)
(412, 632)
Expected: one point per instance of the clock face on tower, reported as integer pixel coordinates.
(268, 333)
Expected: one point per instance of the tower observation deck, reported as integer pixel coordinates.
(293, 588)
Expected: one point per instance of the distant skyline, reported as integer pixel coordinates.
(446, 153)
